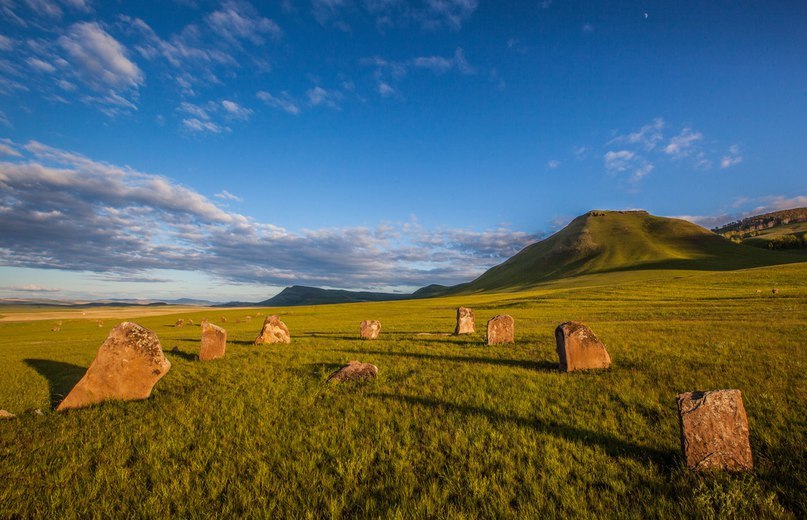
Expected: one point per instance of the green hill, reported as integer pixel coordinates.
(610, 241)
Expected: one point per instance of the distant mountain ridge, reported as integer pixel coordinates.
(764, 221)
(302, 295)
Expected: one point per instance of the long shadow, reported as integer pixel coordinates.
(531, 365)
(241, 342)
(613, 446)
(62, 377)
(314, 370)
(187, 356)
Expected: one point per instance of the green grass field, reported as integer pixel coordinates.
(451, 428)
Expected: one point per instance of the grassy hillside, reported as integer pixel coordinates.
(451, 428)
(609, 241)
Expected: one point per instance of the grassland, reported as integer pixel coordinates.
(451, 428)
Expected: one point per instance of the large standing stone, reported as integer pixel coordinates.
(714, 430)
(274, 331)
(127, 366)
(214, 342)
(180, 322)
(354, 371)
(370, 329)
(465, 321)
(579, 348)
(500, 329)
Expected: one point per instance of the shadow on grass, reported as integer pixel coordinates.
(187, 356)
(530, 365)
(317, 370)
(613, 446)
(243, 342)
(62, 377)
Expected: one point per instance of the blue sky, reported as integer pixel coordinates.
(224, 150)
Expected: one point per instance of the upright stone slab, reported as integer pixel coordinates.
(354, 371)
(465, 321)
(180, 323)
(214, 342)
(127, 366)
(370, 329)
(273, 331)
(714, 430)
(501, 330)
(579, 348)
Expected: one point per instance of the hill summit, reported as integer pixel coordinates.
(607, 241)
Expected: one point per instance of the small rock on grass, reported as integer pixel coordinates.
(354, 371)
(4, 414)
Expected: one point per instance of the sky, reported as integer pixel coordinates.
(225, 150)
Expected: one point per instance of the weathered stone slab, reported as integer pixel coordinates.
(354, 371)
(714, 430)
(273, 331)
(370, 329)
(501, 330)
(465, 321)
(127, 366)
(579, 348)
(214, 342)
(4, 414)
(180, 323)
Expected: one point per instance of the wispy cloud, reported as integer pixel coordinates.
(240, 20)
(206, 118)
(318, 96)
(427, 14)
(681, 145)
(283, 101)
(226, 195)
(389, 72)
(733, 157)
(100, 60)
(744, 207)
(62, 210)
(31, 288)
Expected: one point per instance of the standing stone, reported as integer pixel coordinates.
(274, 331)
(214, 342)
(190, 322)
(370, 329)
(579, 348)
(774, 291)
(354, 371)
(179, 323)
(465, 321)
(224, 319)
(714, 430)
(501, 329)
(127, 366)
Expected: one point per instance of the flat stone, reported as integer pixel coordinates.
(354, 371)
(273, 331)
(501, 330)
(4, 414)
(714, 430)
(370, 329)
(466, 323)
(127, 366)
(214, 342)
(579, 348)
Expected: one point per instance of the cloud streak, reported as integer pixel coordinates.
(62, 210)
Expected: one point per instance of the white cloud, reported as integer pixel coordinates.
(626, 160)
(732, 158)
(62, 210)
(648, 136)
(31, 288)
(40, 65)
(745, 207)
(197, 125)
(240, 20)
(587, 28)
(236, 111)
(680, 145)
(385, 89)
(319, 96)
(7, 149)
(226, 195)
(553, 164)
(282, 102)
(100, 59)
(6, 43)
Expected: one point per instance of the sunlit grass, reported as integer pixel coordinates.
(450, 428)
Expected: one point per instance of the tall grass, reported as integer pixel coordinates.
(450, 428)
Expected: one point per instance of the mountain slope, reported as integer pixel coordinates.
(607, 241)
(302, 295)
